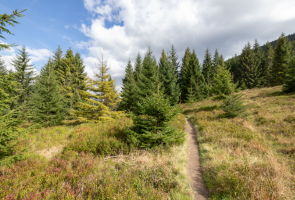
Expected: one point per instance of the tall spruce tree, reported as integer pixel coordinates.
(64, 76)
(169, 78)
(289, 81)
(129, 87)
(184, 73)
(24, 75)
(78, 78)
(221, 60)
(216, 60)
(3, 70)
(149, 79)
(101, 102)
(234, 67)
(196, 80)
(137, 68)
(207, 68)
(47, 100)
(57, 63)
(281, 56)
(267, 65)
(250, 70)
(137, 74)
(9, 119)
(258, 62)
(174, 59)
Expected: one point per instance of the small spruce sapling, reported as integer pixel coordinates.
(233, 105)
(152, 123)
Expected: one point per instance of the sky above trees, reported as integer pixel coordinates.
(122, 28)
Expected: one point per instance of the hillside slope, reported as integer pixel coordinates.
(251, 157)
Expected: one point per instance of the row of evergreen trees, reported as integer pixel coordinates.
(262, 68)
(61, 90)
(193, 82)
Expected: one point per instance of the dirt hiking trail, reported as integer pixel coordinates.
(197, 183)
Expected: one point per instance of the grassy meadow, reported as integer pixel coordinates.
(252, 157)
(93, 161)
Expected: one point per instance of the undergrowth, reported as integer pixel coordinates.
(93, 161)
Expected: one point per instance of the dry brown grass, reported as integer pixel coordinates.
(251, 157)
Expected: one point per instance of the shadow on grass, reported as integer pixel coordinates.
(204, 108)
(275, 94)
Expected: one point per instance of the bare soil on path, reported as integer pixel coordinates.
(197, 183)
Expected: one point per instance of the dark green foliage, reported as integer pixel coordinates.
(234, 67)
(152, 123)
(9, 119)
(250, 68)
(137, 68)
(8, 20)
(174, 59)
(281, 56)
(169, 78)
(190, 96)
(24, 75)
(196, 80)
(184, 72)
(57, 63)
(290, 37)
(47, 101)
(289, 81)
(233, 105)
(3, 70)
(266, 63)
(216, 60)
(78, 80)
(258, 57)
(222, 83)
(149, 79)
(221, 60)
(207, 68)
(67, 65)
(129, 90)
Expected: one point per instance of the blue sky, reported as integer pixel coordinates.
(47, 24)
(122, 28)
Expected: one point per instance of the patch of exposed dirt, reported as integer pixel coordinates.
(49, 153)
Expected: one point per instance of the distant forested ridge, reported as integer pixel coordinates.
(290, 37)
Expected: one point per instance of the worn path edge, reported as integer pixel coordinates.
(197, 183)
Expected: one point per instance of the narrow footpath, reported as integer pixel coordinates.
(194, 167)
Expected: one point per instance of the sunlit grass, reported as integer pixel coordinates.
(250, 157)
(93, 161)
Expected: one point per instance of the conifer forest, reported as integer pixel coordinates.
(67, 135)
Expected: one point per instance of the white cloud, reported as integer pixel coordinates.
(35, 55)
(223, 24)
(67, 26)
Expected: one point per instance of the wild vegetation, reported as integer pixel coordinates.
(249, 157)
(64, 135)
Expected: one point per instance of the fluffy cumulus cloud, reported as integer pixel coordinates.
(122, 28)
